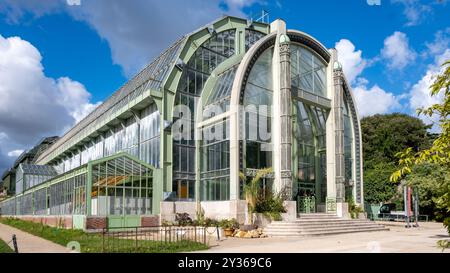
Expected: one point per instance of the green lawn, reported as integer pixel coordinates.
(92, 243)
(4, 248)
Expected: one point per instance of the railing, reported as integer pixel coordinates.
(396, 217)
(306, 204)
(330, 204)
(147, 239)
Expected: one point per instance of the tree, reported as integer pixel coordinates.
(377, 188)
(426, 178)
(439, 152)
(383, 136)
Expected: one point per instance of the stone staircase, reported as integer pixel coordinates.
(316, 224)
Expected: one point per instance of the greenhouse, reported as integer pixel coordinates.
(221, 103)
(115, 185)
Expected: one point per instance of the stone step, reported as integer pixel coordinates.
(318, 218)
(324, 232)
(319, 226)
(316, 214)
(296, 223)
(314, 231)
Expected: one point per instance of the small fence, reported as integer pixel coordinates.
(145, 239)
(396, 217)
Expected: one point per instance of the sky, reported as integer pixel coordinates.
(59, 59)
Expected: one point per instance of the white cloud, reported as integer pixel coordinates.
(136, 33)
(374, 100)
(439, 45)
(397, 52)
(351, 59)
(34, 105)
(15, 153)
(135, 38)
(75, 98)
(419, 96)
(414, 11)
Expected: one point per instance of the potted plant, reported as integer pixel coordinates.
(251, 191)
(229, 226)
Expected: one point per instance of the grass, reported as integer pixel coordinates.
(93, 243)
(4, 248)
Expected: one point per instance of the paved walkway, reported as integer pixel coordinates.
(397, 239)
(28, 243)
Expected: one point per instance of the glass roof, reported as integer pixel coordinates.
(121, 165)
(221, 93)
(151, 77)
(38, 169)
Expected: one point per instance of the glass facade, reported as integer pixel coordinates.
(310, 134)
(308, 74)
(251, 37)
(221, 92)
(257, 110)
(140, 139)
(215, 162)
(121, 185)
(207, 57)
(308, 71)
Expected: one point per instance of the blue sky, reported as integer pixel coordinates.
(79, 54)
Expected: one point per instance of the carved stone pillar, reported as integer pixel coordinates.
(285, 115)
(339, 134)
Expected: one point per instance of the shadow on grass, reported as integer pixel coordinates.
(93, 242)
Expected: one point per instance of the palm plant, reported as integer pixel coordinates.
(251, 190)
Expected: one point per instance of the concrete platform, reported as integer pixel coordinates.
(397, 240)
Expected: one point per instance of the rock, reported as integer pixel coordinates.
(241, 234)
(254, 233)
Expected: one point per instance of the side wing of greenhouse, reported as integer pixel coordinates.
(113, 191)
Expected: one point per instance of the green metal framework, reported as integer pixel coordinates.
(116, 185)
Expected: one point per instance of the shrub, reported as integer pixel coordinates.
(270, 205)
(183, 219)
(229, 224)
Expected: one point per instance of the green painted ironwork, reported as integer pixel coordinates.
(306, 204)
(330, 204)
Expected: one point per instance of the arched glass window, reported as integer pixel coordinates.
(196, 72)
(258, 95)
(221, 92)
(308, 71)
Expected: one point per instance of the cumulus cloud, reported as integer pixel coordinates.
(370, 101)
(440, 43)
(15, 153)
(136, 33)
(34, 105)
(420, 92)
(397, 52)
(351, 59)
(414, 11)
(374, 100)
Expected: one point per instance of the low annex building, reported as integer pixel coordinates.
(222, 102)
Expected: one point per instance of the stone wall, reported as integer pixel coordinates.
(94, 222)
(150, 221)
(212, 209)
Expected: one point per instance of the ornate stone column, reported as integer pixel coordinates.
(339, 132)
(285, 115)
